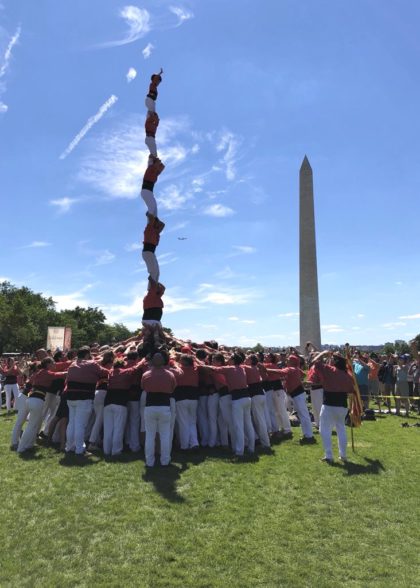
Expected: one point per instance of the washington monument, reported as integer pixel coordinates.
(310, 329)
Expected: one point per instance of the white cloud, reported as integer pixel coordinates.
(248, 322)
(410, 317)
(360, 316)
(233, 318)
(244, 249)
(177, 227)
(117, 159)
(229, 144)
(70, 301)
(218, 210)
(5, 66)
(63, 204)
(182, 14)
(105, 257)
(229, 297)
(393, 325)
(172, 198)
(147, 51)
(37, 244)
(133, 247)
(8, 53)
(131, 75)
(91, 121)
(4, 279)
(138, 24)
(288, 314)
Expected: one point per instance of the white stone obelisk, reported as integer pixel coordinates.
(310, 329)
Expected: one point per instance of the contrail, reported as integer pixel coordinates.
(8, 53)
(92, 120)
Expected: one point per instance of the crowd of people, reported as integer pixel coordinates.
(190, 396)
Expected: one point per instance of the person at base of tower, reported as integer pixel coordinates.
(155, 80)
(337, 384)
(292, 375)
(151, 238)
(41, 383)
(154, 168)
(159, 384)
(150, 126)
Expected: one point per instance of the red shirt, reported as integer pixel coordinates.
(151, 124)
(312, 376)
(272, 377)
(61, 366)
(153, 171)
(219, 380)
(253, 375)
(333, 379)
(292, 378)
(43, 378)
(153, 91)
(153, 298)
(158, 380)
(123, 378)
(151, 235)
(235, 376)
(10, 374)
(189, 376)
(82, 377)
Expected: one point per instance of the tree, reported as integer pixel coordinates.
(110, 334)
(388, 348)
(24, 318)
(258, 348)
(85, 323)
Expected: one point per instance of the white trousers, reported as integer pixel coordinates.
(132, 428)
(142, 407)
(79, 414)
(151, 145)
(186, 416)
(258, 415)
(35, 406)
(149, 200)
(301, 407)
(23, 411)
(242, 423)
(280, 407)
(157, 420)
(203, 420)
(115, 417)
(226, 423)
(317, 398)
(212, 413)
(273, 425)
(98, 407)
(152, 264)
(333, 416)
(150, 104)
(8, 389)
(50, 408)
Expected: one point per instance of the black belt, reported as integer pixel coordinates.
(147, 185)
(149, 247)
(223, 391)
(152, 96)
(297, 391)
(241, 393)
(158, 399)
(316, 387)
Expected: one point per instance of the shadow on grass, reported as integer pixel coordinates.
(373, 466)
(71, 460)
(31, 455)
(165, 479)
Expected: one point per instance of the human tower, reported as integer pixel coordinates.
(152, 302)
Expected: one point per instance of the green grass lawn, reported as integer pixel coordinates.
(283, 520)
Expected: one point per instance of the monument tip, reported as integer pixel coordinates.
(305, 164)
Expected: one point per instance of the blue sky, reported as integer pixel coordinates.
(249, 88)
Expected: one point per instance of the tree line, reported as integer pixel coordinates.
(25, 317)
